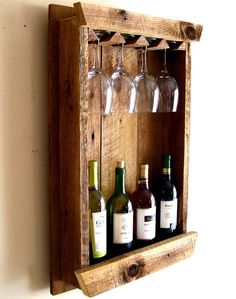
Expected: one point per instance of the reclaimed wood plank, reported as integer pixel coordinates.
(136, 264)
(158, 44)
(112, 39)
(119, 130)
(184, 209)
(137, 42)
(69, 147)
(55, 13)
(73, 147)
(120, 20)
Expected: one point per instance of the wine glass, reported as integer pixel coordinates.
(100, 87)
(169, 91)
(123, 87)
(147, 88)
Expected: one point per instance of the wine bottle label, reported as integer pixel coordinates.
(168, 216)
(122, 228)
(98, 233)
(146, 224)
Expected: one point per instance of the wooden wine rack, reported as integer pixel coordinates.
(76, 137)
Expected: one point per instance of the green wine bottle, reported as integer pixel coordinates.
(168, 202)
(120, 215)
(97, 216)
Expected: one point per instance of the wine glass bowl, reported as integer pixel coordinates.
(147, 88)
(123, 87)
(100, 88)
(169, 91)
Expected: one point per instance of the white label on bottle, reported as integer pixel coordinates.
(122, 228)
(146, 224)
(169, 214)
(100, 233)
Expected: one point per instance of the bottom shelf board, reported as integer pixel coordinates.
(130, 266)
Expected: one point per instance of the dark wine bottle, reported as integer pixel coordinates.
(97, 216)
(168, 202)
(120, 216)
(144, 205)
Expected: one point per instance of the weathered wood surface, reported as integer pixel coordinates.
(119, 130)
(158, 44)
(136, 264)
(168, 133)
(119, 20)
(112, 39)
(92, 36)
(137, 42)
(183, 210)
(57, 284)
(76, 137)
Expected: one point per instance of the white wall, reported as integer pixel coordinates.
(24, 240)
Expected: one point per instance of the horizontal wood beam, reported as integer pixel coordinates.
(123, 21)
(120, 270)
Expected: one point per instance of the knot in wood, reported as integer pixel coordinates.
(124, 14)
(133, 270)
(190, 32)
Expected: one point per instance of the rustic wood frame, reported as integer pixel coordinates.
(75, 137)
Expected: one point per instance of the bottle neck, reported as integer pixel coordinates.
(93, 178)
(166, 173)
(143, 183)
(120, 180)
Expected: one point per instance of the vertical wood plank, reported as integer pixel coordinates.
(69, 147)
(84, 147)
(165, 133)
(119, 131)
(56, 12)
(94, 120)
(151, 130)
(73, 145)
(184, 207)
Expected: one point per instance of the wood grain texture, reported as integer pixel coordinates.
(76, 137)
(93, 119)
(137, 42)
(120, 20)
(112, 39)
(82, 61)
(173, 45)
(56, 12)
(119, 131)
(92, 36)
(184, 209)
(168, 133)
(69, 148)
(158, 44)
(134, 265)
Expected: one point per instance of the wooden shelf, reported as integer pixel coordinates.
(125, 268)
(76, 137)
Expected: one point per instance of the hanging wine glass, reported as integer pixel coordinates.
(147, 88)
(123, 86)
(100, 87)
(169, 91)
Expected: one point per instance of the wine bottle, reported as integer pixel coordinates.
(144, 205)
(168, 202)
(97, 216)
(120, 215)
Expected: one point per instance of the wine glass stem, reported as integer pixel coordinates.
(144, 61)
(95, 57)
(164, 65)
(121, 57)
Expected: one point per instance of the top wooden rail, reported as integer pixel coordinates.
(123, 21)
